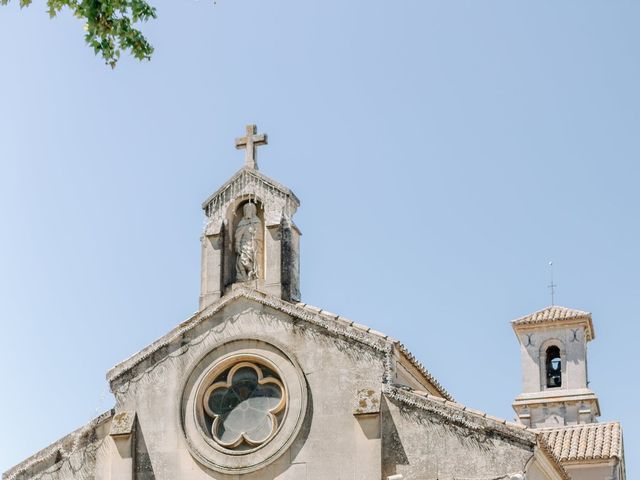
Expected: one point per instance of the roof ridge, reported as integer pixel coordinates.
(579, 425)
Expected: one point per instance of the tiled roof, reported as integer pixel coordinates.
(590, 441)
(544, 446)
(421, 368)
(556, 313)
(401, 347)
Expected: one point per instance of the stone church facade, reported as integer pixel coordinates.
(258, 385)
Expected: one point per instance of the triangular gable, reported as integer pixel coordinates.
(331, 323)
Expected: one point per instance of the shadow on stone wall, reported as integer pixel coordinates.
(143, 469)
(393, 453)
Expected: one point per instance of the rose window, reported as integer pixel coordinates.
(244, 406)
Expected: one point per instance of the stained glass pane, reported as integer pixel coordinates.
(244, 407)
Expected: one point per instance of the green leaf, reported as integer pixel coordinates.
(109, 25)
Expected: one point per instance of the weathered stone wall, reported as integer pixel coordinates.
(83, 454)
(573, 347)
(331, 437)
(422, 445)
(349, 431)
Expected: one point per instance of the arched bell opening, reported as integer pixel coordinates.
(553, 367)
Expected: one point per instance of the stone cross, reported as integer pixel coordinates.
(250, 143)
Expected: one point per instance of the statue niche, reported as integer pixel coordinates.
(247, 244)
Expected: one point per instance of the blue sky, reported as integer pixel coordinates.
(443, 151)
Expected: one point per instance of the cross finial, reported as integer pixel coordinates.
(250, 143)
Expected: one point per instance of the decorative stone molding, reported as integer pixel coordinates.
(242, 452)
(367, 402)
(122, 433)
(243, 405)
(122, 424)
(279, 202)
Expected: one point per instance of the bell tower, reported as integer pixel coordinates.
(250, 237)
(553, 350)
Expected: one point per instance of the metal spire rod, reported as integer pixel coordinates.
(552, 286)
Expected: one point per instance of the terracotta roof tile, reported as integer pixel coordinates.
(432, 380)
(590, 441)
(552, 313)
(556, 313)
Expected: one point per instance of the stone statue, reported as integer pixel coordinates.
(247, 244)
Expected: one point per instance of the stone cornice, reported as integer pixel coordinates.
(556, 395)
(460, 415)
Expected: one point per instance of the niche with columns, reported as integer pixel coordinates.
(244, 224)
(258, 248)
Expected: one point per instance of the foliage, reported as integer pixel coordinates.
(109, 25)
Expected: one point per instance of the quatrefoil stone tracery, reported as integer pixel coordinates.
(244, 408)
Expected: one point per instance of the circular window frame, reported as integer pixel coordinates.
(206, 383)
(207, 450)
